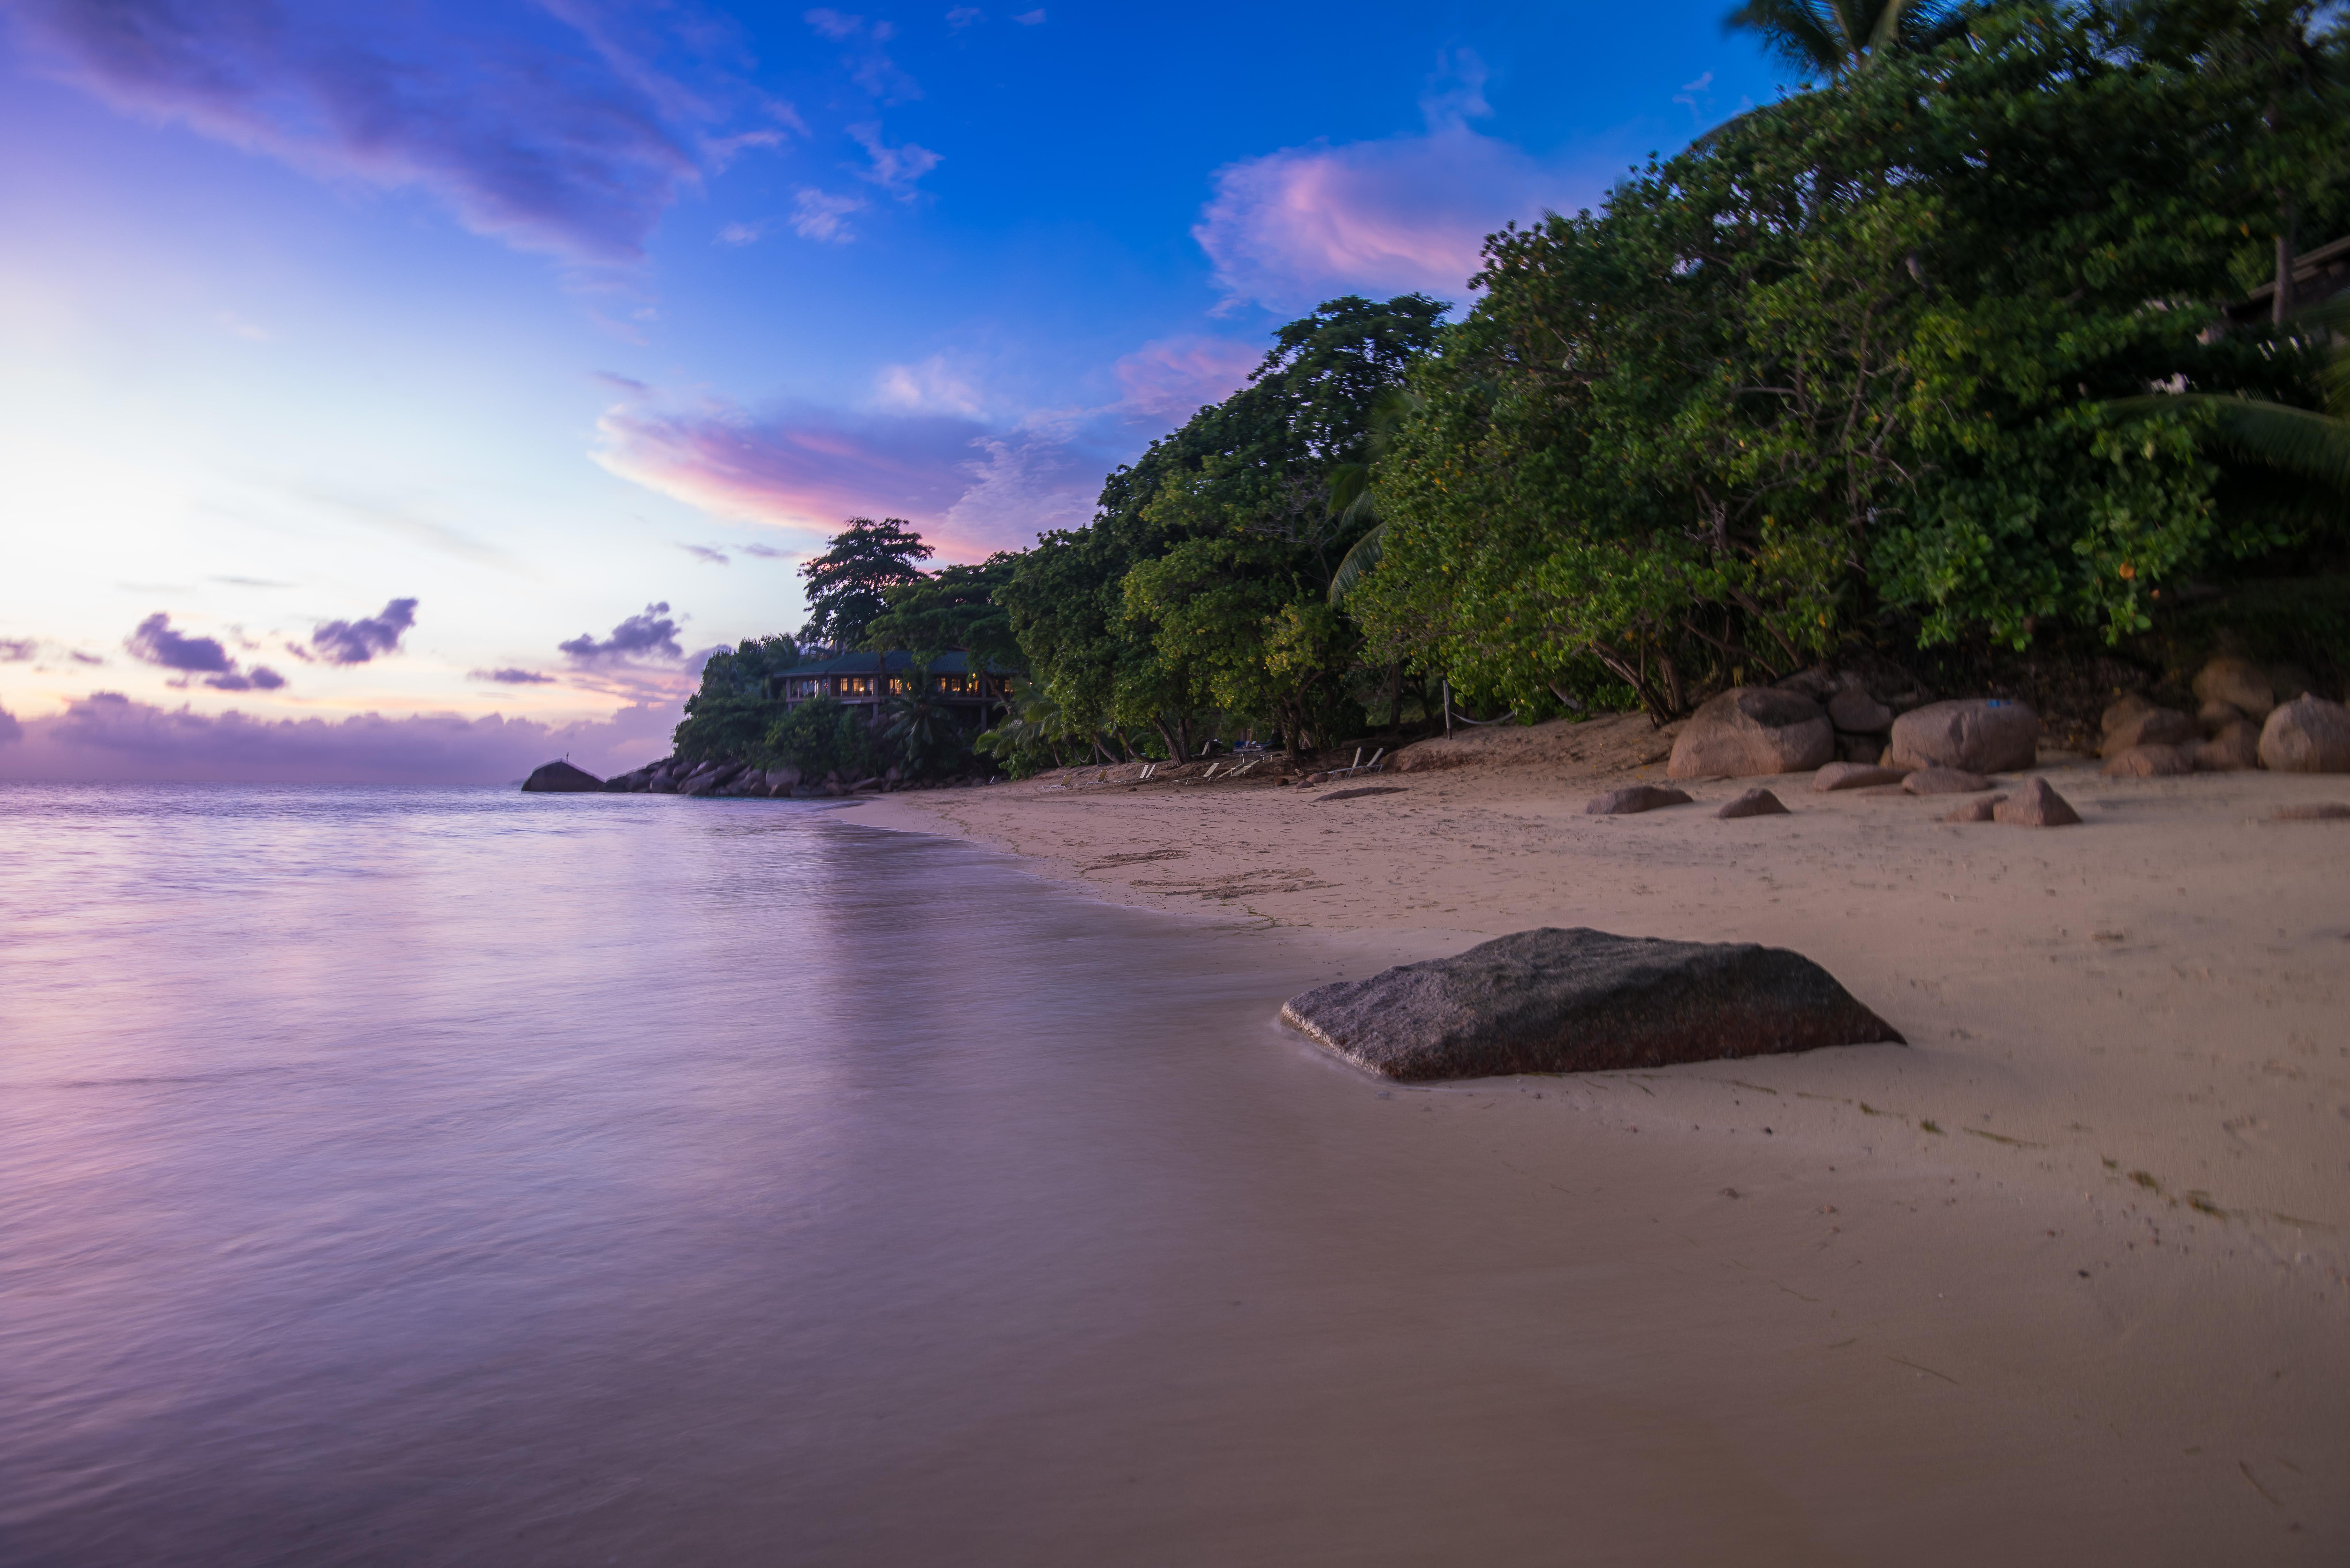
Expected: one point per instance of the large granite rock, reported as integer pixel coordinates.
(2307, 735)
(1751, 730)
(2151, 726)
(1977, 735)
(562, 778)
(2238, 682)
(2034, 805)
(1580, 1000)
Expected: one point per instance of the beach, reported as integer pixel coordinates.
(2127, 1084)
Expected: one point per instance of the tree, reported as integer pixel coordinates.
(1838, 371)
(1199, 590)
(738, 701)
(1824, 37)
(847, 585)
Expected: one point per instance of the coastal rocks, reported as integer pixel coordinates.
(1581, 1001)
(562, 778)
(2307, 735)
(1750, 730)
(1855, 711)
(2034, 805)
(2150, 726)
(1978, 810)
(2149, 762)
(2235, 748)
(1986, 735)
(1755, 801)
(1855, 775)
(2238, 682)
(1637, 797)
(1945, 781)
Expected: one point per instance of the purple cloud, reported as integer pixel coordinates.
(357, 641)
(107, 736)
(1171, 377)
(10, 730)
(155, 642)
(17, 650)
(707, 555)
(652, 634)
(1407, 212)
(259, 678)
(546, 126)
(512, 677)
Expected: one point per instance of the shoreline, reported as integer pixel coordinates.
(2140, 1015)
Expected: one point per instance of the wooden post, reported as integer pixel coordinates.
(1448, 705)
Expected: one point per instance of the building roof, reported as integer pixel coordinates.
(897, 661)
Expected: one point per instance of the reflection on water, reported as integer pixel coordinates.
(445, 1176)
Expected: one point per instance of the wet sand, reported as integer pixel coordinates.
(2100, 1203)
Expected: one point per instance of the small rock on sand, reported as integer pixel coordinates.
(2322, 810)
(1856, 775)
(1753, 802)
(1581, 1001)
(1944, 781)
(1638, 797)
(2035, 806)
(1978, 810)
(2149, 762)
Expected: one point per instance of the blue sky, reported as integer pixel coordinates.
(582, 322)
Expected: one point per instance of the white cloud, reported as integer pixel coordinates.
(821, 215)
(895, 169)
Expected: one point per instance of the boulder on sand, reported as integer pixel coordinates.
(2151, 726)
(1581, 1001)
(2238, 682)
(1978, 735)
(2234, 749)
(1855, 775)
(1637, 797)
(1855, 710)
(2307, 735)
(1750, 730)
(2150, 763)
(562, 778)
(1979, 809)
(1945, 781)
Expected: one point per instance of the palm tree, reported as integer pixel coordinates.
(1829, 37)
(1350, 488)
(2306, 444)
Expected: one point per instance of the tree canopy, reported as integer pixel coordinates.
(848, 584)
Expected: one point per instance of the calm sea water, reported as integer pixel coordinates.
(405, 1175)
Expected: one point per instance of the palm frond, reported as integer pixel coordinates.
(1360, 559)
(2299, 441)
(1803, 33)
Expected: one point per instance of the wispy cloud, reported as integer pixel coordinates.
(894, 169)
(1171, 377)
(822, 215)
(511, 676)
(564, 127)
(1407, 212)
(1030, 18)
(705, 554)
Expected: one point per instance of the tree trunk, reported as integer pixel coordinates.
(1395, 698)
(2288, 221)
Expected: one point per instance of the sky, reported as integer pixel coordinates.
(414, 392)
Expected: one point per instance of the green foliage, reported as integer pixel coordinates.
(847, 585)
(1838, 368)
(824, 736)
(1198, 595)
(953, 608)
(730, 715)
(1824, 36)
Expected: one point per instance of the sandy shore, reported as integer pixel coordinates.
(2129, 1060)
